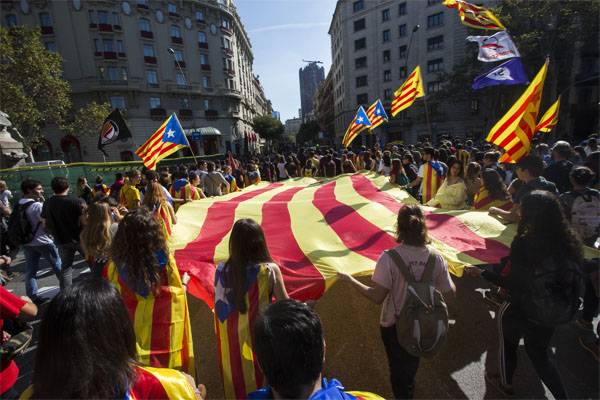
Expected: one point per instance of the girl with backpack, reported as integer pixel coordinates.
(423, 265)
(544, 286)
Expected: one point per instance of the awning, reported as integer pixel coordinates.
(204, 131)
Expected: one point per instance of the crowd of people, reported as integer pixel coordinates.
(136, 291)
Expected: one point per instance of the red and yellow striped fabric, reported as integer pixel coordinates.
(165, 219)
(483, 201)
(411, 89)
(550, 118)
(463, 156)
(365, 395)
(475, 16)
(188, 192)
(239, 367)
(161, 322)
(430, 184)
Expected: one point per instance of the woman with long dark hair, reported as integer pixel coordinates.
(452, 194)
(147, 277)
(492, 193)
(87, 350)
(544, 253)
(97, 235)
(244, 284)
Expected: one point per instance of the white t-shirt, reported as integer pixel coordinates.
(5, 197)
(389, 276)
(281, 169)
(34, 215)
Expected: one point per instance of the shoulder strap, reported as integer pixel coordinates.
(404, 269)
(428, 272)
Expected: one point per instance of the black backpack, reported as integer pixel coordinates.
(555, 294)
(19, 230)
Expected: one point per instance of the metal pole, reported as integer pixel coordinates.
(414, 29)
(427, 119)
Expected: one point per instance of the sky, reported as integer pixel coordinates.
(283, 33)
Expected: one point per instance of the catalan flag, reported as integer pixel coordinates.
(376, 114)
(411, 89)
(163, 214)
(165, 141)
(475, 16)
(516, 128)
(550, 118)
(161, 321)
(432, 180)
(358, 124)
(483, 200)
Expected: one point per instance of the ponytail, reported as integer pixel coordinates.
(412, 228)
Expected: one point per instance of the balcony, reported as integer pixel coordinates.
(202, 45)
(93, 25)
(229, 72)
(149, 60)
(231, 93)
(181, 63)
(227, 31)
(175, 39)
(143, 6)
(201, 22)
(185, 113)
(205, 67)
(211, 114)
(97, 54)
(47, 30)
(110, 55)
(147, 34)
(113, 82)
(227, 52)
(105, 27)
(117, 28)
(158, 113)
(122, 55)
(191, 89)
(173, 14)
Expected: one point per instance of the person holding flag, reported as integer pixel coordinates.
(429, 177)
(167, 139)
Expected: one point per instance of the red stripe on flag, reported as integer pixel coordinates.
(155, 159)
(302, 279)
(516, 115)
(160, 342)
(151, 142)
(197, 257)
(147, 386)
(357, 233)
(253, 300)
(445, 228)
(235, 358)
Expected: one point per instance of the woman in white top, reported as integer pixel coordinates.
(282, 173)
(390, 289)
(452, 195)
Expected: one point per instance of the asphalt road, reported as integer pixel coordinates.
(355, 354)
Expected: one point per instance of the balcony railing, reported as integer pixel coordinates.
(202, 45)
(143, 6)
(110, 55)
(229, 72)
(176, 39)
(121, 54)
(211, 114)
(205, 67)
(47, 30)
(113, 82)
(105, 27)
(147, 34)
(227, 51)
(185, 113)
(227, 31)
(149, 60)
(158, 112)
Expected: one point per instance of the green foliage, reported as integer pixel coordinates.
(32, 90)
(268, 127)
(309, 131)
(88, 120)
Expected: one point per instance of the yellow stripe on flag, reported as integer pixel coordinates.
(550, 118)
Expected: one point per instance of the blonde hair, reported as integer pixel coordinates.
(95, 237)
(3, 185)
(154, 196)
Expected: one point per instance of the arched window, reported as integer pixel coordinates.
(43, 151)
(71, 148)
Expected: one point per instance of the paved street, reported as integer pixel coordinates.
(355, 353)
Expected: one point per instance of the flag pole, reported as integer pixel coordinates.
(427, 119)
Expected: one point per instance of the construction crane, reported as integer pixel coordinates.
(311, 62)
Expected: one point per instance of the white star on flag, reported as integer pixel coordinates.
(170, 133)
(360, 120)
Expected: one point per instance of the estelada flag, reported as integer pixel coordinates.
(359, 123)
(113, 128)
(550, 118)
(167, 139)
(376, 114)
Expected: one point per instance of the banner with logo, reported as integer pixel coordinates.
(114, 128)
(496, 47)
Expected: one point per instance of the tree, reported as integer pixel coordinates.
(268, 127)
(309, 131)
(88, 120)
(32, 90)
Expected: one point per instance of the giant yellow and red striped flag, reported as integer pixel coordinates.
(411, 89)
(376, 114)
(514, 131)
(165, 141)
(550, 118)
(475, 16)
(161, 321)
(358, 124)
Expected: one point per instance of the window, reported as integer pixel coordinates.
(225, 23)
(435, 20)
(11, 20)
(402, 30)
(387, 94)
(97, 45)
(154, 102)
(107, 45)
(359, 25)
(92, 17)
(360, 62)
(172, 8)
(387, 75)
(120, 48)
(149, 50)
(203, 59)
(386, 36)
(142, 3)
(226, 43)
(403, 72)
(116, 19)
(435, 65)
(362, 99)
(45, 19)
(117, 102)
(385, 15)
(152, 77)
(358, 5)
(360, 44)
(199, 16)
(175, 31)
(361, 81)
(103, 17)
(402, 52)
(180, 78)
(144, 25)
(184, 103)
(386, 56)
(179, 55)
(474, 106)
(206, 104)
(230, 84)
(434, 86)
(201, 37)
(401, 9)
(435, 43)
(206, 82)
(50, 46)
(116, 74)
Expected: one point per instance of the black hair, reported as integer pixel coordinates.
(289, 346)
(210, 166)
(86, 333)
(59, 184)
(151, 175)
(118, 176)
(28, 185)
(492, 181)
(582, 175)
(532, 163)
(430, 151)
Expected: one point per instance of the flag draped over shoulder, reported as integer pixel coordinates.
(475, 16)
(514, 131)
(165, 141)
(358, 124)
(114, 128)
(376, 114)
(550, 118)
(411, 89)
(314, 229)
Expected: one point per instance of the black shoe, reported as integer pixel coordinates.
(495, 381)
(38, 300)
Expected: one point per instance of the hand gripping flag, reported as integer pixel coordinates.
(497, 47)
(376, 114)
(358, 124)
(550, 118)
(114, 128)
(165, 141)
(475, 16)
(516, 128)
(510, 72)
(411, 89)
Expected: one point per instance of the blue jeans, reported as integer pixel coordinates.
(32, 260)
(67, 256)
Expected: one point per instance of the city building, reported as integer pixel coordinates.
(151, 58)
(276, 115)
(310, 78)
(292, 127)
(324, 109)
